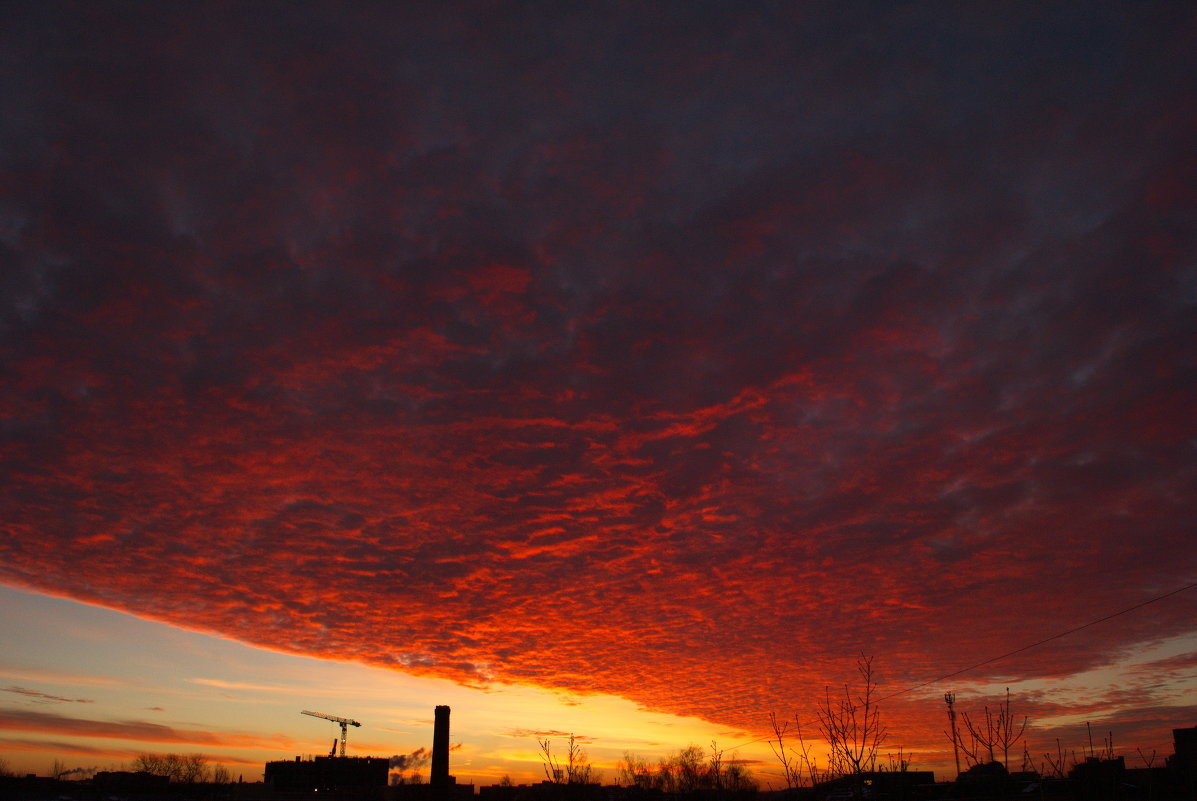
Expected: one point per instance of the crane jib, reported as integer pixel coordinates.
(344, 722)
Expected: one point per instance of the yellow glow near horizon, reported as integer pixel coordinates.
(79, 664)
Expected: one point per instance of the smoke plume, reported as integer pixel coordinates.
(413, 761)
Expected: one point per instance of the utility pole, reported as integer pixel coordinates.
(950, 699)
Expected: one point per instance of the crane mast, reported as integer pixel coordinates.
(345, 724)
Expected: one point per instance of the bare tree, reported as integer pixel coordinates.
(181, 768)
(726, 775)
(1107, 751)
(577, 768)
(150, 763)
(1149, 763)
(552, 766)
(981, 740)
(1000, 733)
(788, 760)
(899, 762)
(737, 779)
(716, 771)
(412, 777)
(851, 724)
(1010, 731)
(634, 771)
(1054, 765)
(799, 768)
(688, 771)
(194, 768)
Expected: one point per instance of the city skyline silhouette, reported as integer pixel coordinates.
(621, 370)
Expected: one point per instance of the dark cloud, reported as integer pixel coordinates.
(538, 734)
(47, 723)
(658, 353)
(38, 696)
(74, 747)
(63, 747)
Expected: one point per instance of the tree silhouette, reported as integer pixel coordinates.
(851, 724)
(577, 768)
(180, 768)
(635, 771)
(798, 767)
(1000, 733)
(1054, 765)
(686, 771)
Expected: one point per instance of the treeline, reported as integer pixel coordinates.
(183, 768)
(690, 770)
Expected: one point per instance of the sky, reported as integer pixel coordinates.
(621, 370)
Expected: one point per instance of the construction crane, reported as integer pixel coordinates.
(345, 724)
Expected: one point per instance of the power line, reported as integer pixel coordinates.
(1008, 654)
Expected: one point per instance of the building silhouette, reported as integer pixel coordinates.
(365, 777)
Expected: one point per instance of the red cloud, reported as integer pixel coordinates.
(610, 368)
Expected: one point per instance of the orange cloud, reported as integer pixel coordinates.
(47, 723)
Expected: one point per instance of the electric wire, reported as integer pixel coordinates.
(1036, 644)
(1016, 651)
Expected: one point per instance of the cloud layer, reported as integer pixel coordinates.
(681, 355)
(32, 722)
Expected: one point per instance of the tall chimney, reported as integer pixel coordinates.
(440, 748)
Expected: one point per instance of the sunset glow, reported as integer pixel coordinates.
(623, 373)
